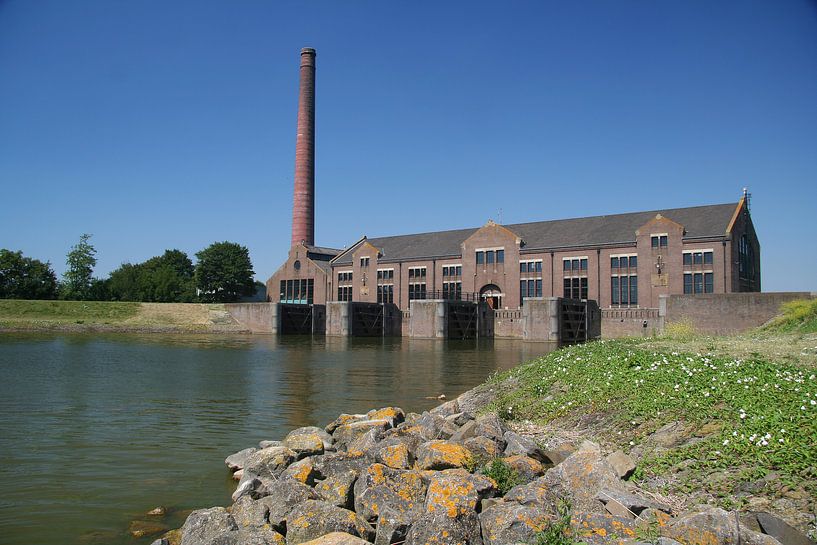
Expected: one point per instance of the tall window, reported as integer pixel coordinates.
(624, 280)
(345, 286)
(695, 283)
(574, 272)
(299, 291)
(385, 285)
(452, 290)
(530, 288)
(452, 270)
(364, 261)
(489, 257)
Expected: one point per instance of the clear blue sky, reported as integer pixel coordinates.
(155, 124)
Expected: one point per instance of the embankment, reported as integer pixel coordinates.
(114, 316)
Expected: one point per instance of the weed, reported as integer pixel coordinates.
(503, 475)
(557, 533)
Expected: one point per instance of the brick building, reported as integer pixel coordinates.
(622, 260)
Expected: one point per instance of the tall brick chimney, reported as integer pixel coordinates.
(303, 205)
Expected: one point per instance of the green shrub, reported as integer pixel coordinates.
(557, 533)
(504, 475)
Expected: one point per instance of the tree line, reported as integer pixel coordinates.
(223, 272)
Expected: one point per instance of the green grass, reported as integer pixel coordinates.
(760, 414)
(559, 532)
(14, 312)
(797, 316)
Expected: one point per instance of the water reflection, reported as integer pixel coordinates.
(96, 429)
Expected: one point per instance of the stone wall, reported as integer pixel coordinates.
(724, 313)
(629, 322)
(508, 324)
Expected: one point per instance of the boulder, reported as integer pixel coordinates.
(477, 398)
(560, 452)
(338, 490)
(527, 468)
(781, 530)
(347, 433)
(446, 409)
(509, 522)
(438, 528)
(380, 486)
(466, 431)
(491, 426)
(343, 419)
(713, 527)
(622, 464)
(308, 441)
(333, 464)
(428, 426)
(250, 513)
(396, 456)
(205, 525)
(253, 536)
(439, 454)
(366, 442)
(482, 447)
(581, 477)
(302, 471)
(268, 444)
(268, 463)
(236, 461)
(393, 525)
(598, 528)
(337, 538)
(632, 502)
(313, 519)
(395, 415)
(534, 493)
(453, 494)
(459, 419)
(669, 435)
(278, 499)
(525, 446)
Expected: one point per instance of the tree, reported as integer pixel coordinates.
(77, 280)
(25, 278)
(224, 272)
(165, 279)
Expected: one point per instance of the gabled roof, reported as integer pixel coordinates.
(323, 250)
(699, 221)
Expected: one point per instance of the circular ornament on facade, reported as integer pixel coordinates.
(297, 265)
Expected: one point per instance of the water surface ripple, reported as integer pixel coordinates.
(95, 430)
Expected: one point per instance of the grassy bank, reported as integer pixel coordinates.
(113, 316)
(740, 412)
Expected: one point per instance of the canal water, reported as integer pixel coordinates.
(95, 430)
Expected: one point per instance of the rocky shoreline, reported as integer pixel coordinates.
(451, 476)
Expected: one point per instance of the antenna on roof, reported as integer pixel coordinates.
(747, 197)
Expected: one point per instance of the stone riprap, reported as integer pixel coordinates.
(387, 477)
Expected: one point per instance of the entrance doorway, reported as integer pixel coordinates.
(492, 295)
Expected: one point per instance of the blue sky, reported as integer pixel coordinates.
(156, 125)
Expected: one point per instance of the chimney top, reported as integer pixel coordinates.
(308, 51)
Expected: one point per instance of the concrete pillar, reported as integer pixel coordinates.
(337, 318)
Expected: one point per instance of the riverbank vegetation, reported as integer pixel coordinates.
(114, 316)
(729, 420)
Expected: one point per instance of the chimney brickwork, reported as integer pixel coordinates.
(303, 206)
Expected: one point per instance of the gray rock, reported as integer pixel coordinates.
(236, 461)
(527, 468)
(312, 519)
(466, 431)
(338, 490)
(347, 433)
(338, 538)
(477, 398)
(252, 536)
(460, 418)
(634, 503)
(517, 444)
(560, 453)
(392, 526)
(781, 530)
(380, 486)
(343, 419)
(205, 525)
(367, 441)
(462, 529)
(491, 426)
(716, 526)
(596, 528)
(509, 522)
(669, 435)
(581, 476)
(268, 444)
(268, 463)
(280, 497)
(451, 493)
(395, 415)
(302, 471)
(333, 464)
(161, 541)
(615, 508)
(447, 409)
(429, 426)
(483, 448)
(441, 454)
(308, 441)
(622, 464)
